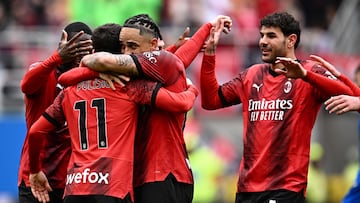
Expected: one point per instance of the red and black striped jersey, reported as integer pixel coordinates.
(278, 115)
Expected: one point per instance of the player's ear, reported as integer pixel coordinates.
(291, 40)
(154, 43)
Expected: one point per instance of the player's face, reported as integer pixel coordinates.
(133, 43)
(272, 44)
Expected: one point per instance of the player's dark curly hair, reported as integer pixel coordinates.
(106, 38)
(285, 22)
(145, 23)
(73, 28)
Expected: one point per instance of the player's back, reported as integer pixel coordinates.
(102, 125)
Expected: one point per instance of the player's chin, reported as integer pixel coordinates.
(267, 58)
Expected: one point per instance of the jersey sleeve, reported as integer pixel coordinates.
(176, 102)
(54, 113)
(209, 86)
(150, 93)
(52, 119)
(37, 133)
(161, 66)
(76, 75)
(38, 72)
(214, 96)
(326, 84)
(351, 84)
(189, 50)
(172, 48)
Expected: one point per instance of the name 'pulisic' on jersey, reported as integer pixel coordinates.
(92, 84)
(260, 110)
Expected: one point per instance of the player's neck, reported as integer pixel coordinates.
(281, 66)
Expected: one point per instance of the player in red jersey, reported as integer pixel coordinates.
(162, 169)
(278, 112)
(40, 88)
(341, 104)
(102, 127)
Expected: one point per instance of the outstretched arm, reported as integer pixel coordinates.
(336, 73)
(181, 40)
(38, 181)
(342, 103)
(161, 66)
(294, 69)
(107, 62)
(176, 102)
(76, 75)
(150, 93)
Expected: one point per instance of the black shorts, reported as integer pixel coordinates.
(274, 196)
(26, 196)
(96, 199)
(168, 191)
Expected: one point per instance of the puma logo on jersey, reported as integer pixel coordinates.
(257, 87)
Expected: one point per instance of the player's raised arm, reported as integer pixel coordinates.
(326, 84)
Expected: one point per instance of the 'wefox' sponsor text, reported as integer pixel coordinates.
(87, 176)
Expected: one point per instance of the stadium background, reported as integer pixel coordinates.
(30, 31)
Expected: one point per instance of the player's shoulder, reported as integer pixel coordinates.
(153, 56)
(310, 64)
(34, 65)
(316, 67)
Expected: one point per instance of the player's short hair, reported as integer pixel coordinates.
(285, 21)
(106, 38)
(75, 27)
(145, 23)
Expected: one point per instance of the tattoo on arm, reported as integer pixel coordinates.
(126, 62)
(123, 60)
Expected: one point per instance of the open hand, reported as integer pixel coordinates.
(69, 50)
(293, 68)
(342, 103)
(40, 186)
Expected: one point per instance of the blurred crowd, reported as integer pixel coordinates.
(29, 31)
